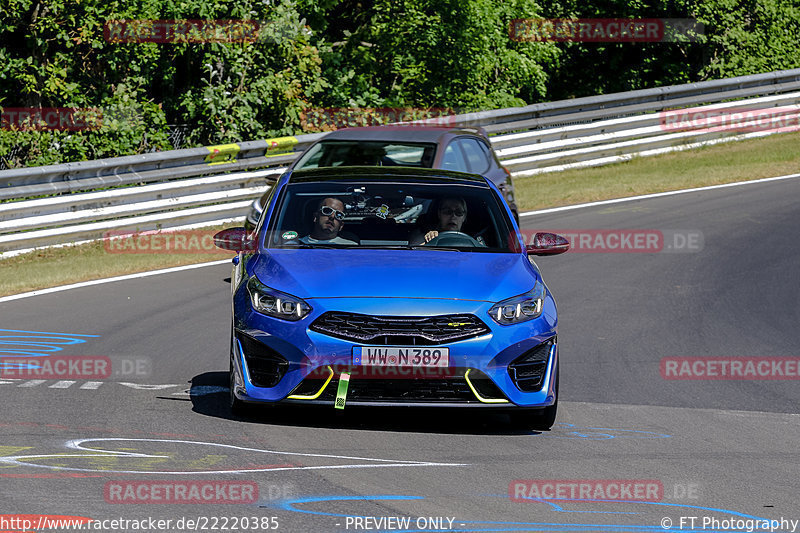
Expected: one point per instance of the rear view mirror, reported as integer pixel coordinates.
(547, 244)
(234, 239)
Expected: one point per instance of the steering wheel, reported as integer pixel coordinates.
(453, 238)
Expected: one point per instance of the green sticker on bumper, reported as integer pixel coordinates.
(341, 392)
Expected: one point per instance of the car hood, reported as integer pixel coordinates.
(328, 273)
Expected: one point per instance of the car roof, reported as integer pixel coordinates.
(431, 134)
(388, 173)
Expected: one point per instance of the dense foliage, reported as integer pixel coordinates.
(312, 54)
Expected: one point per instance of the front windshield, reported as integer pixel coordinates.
(373, 215)
(368, 153)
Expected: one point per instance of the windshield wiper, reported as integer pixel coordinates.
(316, 245)
(445, 248)
(384, 246)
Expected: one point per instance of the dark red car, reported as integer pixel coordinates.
(448, 148)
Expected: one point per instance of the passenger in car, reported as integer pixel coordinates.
(328, 222)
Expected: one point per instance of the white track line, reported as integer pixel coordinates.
(527, 213)
(109, 280)
(654, 195)
(77, 444)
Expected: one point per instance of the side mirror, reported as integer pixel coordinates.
(234, 239)
(547, 244)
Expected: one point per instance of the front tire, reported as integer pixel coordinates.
(237, 406)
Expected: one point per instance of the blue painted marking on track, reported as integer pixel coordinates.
(591, 433)
(289, 505)
(48, 333)
(559, 509)
(18, 343)
(496, 526)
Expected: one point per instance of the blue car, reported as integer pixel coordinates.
(392, 286)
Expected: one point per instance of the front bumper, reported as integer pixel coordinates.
(311, 362)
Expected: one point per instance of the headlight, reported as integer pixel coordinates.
(520, 308)
(275, 303)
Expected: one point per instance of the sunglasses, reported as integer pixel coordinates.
(328, 211)
(451, 212)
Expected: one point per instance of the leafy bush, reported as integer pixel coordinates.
(340, 53)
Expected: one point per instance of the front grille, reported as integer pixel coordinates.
(453, 388)
(527, 370)
(402, 390)
(265, 365)
(401, 330)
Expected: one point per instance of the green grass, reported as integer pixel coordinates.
(711, 165)
(725, 163)
(51, 267)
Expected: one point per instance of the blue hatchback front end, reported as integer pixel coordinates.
(462, 320)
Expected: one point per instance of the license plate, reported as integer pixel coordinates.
(401, 356)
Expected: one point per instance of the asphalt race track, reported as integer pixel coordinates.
(724, 450)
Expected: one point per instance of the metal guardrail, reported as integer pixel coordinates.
(618, 139)
(77, 202)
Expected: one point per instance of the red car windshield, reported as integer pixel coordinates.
(368, 153)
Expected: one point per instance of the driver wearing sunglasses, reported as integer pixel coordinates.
(328, 222)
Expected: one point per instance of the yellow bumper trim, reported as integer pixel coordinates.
(319, 392)
(478, 396)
